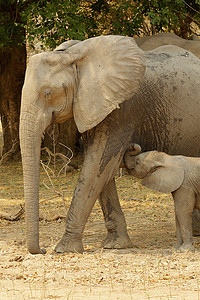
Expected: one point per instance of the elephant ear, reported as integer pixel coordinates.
(166, 174)
(110, 70)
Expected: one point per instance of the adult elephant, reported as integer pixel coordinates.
(101, 83)
(151, 42)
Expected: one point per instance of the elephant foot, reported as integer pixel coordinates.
(177, 245)
(185, 247)
(68, 244)
(113, 241)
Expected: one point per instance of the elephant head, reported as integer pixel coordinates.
(158, 170)
(86, 80)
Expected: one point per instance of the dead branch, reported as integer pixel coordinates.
(49, 171)
(62, 156)
(6, 156)
(68, 165)
(15, 217)
(18, 215)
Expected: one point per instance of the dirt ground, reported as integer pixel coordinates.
(149, 270)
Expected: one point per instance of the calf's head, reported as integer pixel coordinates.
(158, 170)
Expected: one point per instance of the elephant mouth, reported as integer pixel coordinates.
(60, 117)
(53, 119)
(142, 176)
(52, 122)
(134, 173)
(151, 171)
(57, 117)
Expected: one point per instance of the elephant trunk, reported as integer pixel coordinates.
(30, 142)
(133, 149)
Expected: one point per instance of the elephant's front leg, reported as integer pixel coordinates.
(114, 218)
(96, 173)
(85, 195)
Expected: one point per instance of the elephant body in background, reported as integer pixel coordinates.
(154, 41)
(162, 114)
(179, 175)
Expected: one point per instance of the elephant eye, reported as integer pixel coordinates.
(47, 92)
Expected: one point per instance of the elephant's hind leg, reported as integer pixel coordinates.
(114, 218)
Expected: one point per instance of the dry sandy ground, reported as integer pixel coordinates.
(149, 270)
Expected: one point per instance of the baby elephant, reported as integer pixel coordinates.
(179, 175)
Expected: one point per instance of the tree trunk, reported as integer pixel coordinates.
(12, 70)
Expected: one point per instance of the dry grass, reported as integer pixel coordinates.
(149, 270)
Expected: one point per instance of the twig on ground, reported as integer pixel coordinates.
(19, 214)
(15, 217)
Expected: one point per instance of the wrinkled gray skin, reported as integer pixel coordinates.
(178, 175)
(162, 115)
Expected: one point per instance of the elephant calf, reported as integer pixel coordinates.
(179, 175)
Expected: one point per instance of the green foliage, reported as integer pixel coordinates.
(177, 15)
(146, 16)
(117, 17)
(52, 22)
(55, 21)
(11, 25)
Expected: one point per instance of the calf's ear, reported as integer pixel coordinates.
(166, 174)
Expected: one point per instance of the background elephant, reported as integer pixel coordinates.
(178, 175)
(154, 41)
(88, 81)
